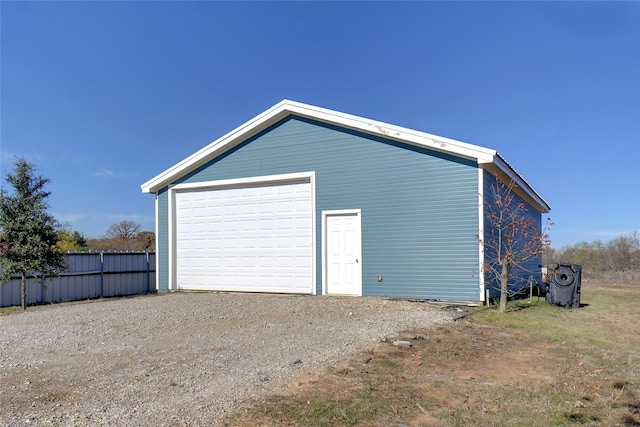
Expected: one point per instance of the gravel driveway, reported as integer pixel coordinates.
(179, 358)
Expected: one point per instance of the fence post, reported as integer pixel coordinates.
(79, 281)
(148, 272)
(101, 274)
(43, 290)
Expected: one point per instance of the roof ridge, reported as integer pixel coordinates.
(286, 107)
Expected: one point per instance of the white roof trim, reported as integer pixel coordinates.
(389, 131)
(285, 108)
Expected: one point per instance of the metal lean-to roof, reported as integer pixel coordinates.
(489, 159)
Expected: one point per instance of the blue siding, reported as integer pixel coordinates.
(419, 207)
(531, 267)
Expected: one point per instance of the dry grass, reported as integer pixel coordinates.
(537, 365)
(4, 311)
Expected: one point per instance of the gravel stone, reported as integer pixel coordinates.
(178, 359)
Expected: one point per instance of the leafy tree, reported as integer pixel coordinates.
(71, 241)
(146, 240)
(513, 241)
(29, 232)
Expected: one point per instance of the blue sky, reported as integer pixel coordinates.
(102, 96)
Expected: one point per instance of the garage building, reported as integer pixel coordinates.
(306, 200)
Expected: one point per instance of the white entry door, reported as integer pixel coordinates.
(343, 252)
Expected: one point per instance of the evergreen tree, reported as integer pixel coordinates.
(28, 232)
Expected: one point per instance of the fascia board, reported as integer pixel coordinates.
(389, 131)
(217, 147)
(510, 172)
(286, 108)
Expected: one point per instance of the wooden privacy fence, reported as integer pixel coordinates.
(90, 275)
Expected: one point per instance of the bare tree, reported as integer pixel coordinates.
(617, 259)
(513, 241)
(621, 250)
(125, 230)
(122, 236)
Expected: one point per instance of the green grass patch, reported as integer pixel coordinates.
(361, 409)
(607, 320)
(536, 366)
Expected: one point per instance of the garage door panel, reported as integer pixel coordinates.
(254, 238)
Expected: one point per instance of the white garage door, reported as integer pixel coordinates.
(254, 238)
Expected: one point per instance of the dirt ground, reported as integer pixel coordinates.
(177, 359)
(426, 379)
(583, 370)
(469, 372)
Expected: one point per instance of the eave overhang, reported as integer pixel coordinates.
(489, 159)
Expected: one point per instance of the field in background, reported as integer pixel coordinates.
(537, 365)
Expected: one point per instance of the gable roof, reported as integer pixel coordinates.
(488, 158)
